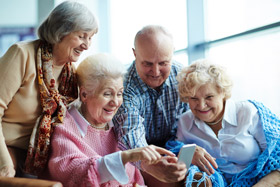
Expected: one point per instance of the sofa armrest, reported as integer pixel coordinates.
(27, 182)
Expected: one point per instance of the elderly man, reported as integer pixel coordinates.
(152, 104)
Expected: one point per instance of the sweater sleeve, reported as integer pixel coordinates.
(68, 162)
(12, 69)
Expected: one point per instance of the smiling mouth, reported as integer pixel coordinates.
(154, 77)
(78, 51)
(109, 111)
(203, 112)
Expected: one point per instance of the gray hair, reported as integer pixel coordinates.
(67, 17)
(97, 67)
(202, 72)
(151, 31)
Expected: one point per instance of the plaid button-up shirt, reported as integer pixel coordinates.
(146, 115)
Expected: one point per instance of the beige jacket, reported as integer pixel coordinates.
(19, 97)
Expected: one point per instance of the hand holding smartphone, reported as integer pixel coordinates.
(186, 154)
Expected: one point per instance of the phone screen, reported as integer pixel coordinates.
(186, 154)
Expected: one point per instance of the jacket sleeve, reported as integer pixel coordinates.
(12, 70)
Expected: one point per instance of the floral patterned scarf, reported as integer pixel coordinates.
(53, 102)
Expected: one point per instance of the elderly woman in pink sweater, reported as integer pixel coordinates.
(84, 148)
(37, 82)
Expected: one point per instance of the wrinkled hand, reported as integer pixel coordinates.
(7, 171)
(203, 159)
(149, 154)
(167, 169)
(270, 180)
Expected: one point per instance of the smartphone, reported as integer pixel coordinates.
(186, 154)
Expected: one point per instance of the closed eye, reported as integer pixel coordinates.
(165, 63)
(209, 97)
(148, 64)
(107, 94)
(120, 93)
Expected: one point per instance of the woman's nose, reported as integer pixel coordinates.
(114, 101)
(202, 104)
(85, 44)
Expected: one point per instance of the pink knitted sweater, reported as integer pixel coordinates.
(73, 157)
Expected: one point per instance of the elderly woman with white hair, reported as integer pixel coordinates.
(85, 148)
(38, 81)
(243, 136)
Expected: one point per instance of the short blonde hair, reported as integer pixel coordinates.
(98, 67)
(202, 72)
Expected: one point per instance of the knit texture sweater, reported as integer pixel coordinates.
(73, 159)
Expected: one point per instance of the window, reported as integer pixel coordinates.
(225, 18)
(253, 60)
(126, 22)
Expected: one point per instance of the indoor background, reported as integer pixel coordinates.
(242, 35)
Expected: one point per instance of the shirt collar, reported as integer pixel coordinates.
(199, 123)
(230, 112)
(81, 122)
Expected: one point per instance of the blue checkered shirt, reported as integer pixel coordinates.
(146, 115)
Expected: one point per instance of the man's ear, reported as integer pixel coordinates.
(134, 52)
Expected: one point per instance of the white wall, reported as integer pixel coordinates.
(18, 12)
(30, 13)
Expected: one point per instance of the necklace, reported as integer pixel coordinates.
(216, 122)
(97, 127)
(93, 126)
